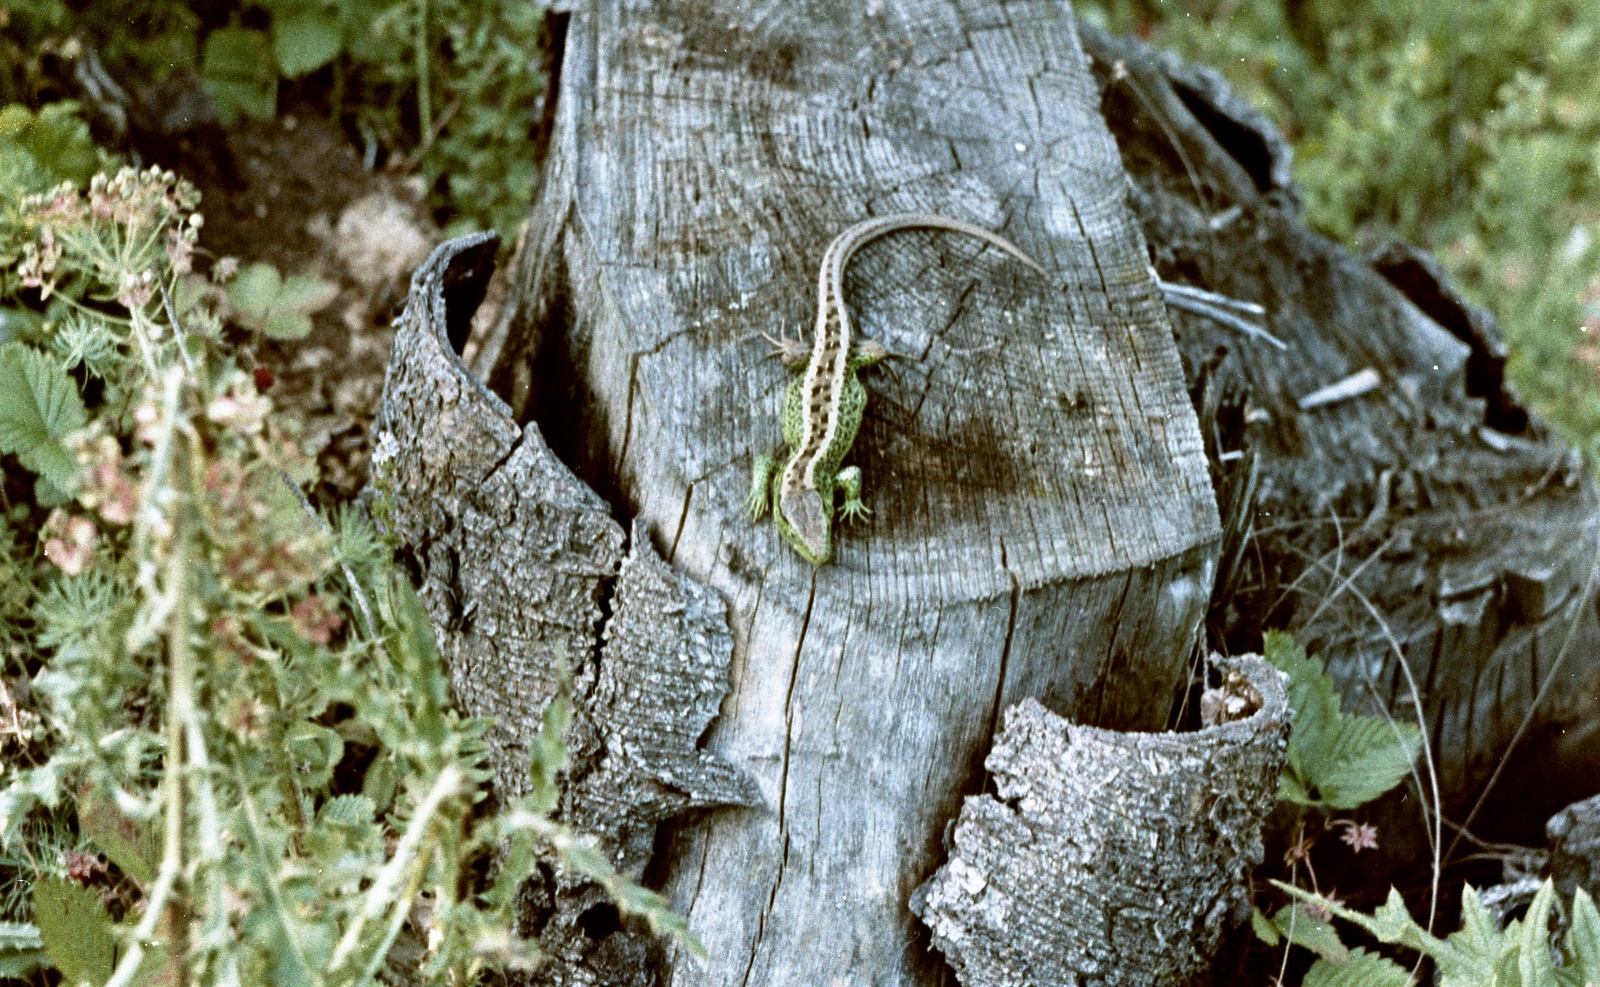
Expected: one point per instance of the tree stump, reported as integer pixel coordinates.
(1044, 525)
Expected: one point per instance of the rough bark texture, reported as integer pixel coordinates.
(1430, 512)
(515, 557)
(1574, 860)
(1108, 858)
(1044, 524)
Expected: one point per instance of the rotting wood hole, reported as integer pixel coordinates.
(1485, 371)
(1245, 145)
(600, 921)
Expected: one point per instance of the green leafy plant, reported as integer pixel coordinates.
(1480, 953)
(275, 306)
(1335, 761)
(238, 699)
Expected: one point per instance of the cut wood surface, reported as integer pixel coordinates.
(1044, 525)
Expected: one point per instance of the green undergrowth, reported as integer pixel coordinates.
(1470, 129)
(448, 88)
(227, 743)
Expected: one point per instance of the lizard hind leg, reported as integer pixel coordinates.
(850, 482)
(867, 353)
(760, 496)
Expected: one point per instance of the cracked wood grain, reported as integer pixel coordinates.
(1432, 512)
(1044, 524)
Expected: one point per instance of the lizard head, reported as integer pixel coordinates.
(805, 522)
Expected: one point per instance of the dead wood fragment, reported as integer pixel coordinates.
(1109, 858)
(515, 557)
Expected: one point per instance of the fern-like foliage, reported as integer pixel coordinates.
(1335, 761)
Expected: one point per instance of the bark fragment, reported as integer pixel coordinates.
(1110, 858)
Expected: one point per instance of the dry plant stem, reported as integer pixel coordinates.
(1527, 718)
(1436, 831)
(168, 603)
(161, 901)
(382, 893)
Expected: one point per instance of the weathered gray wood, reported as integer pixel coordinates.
(515, 557)
(1109, 858)
(1574, 835)
(1044, 523)
(1471, 531)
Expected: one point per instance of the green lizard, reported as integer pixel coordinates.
(823, 406)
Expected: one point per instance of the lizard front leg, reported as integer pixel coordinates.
(761, 474)
(849, 481)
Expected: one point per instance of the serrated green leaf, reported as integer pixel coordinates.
(238, 67)
(305, 41)
(1366, 759)
(347, 810)
(75, 929)
(132, 844)
(1335, 761)
(39, 407)
(1533, 939)
(1363, 969)
(1304, 930)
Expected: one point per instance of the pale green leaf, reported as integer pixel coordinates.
(276, 307)
(304, 293)
(238, 68)
(1263, 928)
(1304, 930)
(305, 41)
(1583, 937)
(39, 407)
(75, 929)
(285, 325)
(1362, 969)
(254, 289)
(314, 751)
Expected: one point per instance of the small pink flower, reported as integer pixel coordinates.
(315, 620)
(137, 290)
(70, 544)
(1359, 836)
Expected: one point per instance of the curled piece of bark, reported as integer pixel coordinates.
(1109, 858)
(512, 550)
(516, 557)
